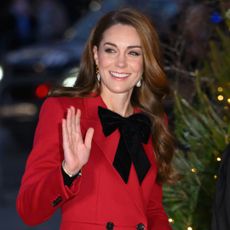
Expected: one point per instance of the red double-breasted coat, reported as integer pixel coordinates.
(97, 197)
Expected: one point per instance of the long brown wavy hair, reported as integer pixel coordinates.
(148, 97)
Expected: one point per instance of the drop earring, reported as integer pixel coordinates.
(98, 74)
(138, 84)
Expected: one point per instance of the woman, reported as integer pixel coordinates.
(93, 152)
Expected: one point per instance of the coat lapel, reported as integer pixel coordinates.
(108, 146)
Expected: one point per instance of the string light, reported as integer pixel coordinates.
(220, 89)
(220, 97)
(215, 177)
(218, 159)
(194, 170)
(228, 100)
(216, 18)
(171, 220)
(189, 228)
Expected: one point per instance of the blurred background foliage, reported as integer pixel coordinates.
(201, 126)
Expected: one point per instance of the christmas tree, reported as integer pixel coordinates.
(202, 129)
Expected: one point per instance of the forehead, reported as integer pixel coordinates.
(121, 34)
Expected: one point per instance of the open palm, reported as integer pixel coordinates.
(76, 149)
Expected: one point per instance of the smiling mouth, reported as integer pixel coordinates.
(119, 75)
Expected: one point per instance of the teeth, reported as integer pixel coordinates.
(121, 75)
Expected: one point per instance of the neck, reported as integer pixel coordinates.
(118, 103)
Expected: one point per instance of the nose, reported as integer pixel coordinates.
(121, 60)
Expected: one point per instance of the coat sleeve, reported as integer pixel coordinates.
(157, 218)
(42, 188)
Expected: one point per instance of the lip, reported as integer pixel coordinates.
(119, 75)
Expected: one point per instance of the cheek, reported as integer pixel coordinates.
(103, 61)
(138, 66)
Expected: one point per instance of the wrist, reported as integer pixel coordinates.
(70, 174)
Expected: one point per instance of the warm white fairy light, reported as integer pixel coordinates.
(194, 170)
(189, 228)
(220, 97)
(215, 177)
(171, 220)
(220, 89)
(228, 100)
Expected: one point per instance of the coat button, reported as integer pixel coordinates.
(109, 226)
(57, 201)
(140, 227)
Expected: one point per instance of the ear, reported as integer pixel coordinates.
(95, 54)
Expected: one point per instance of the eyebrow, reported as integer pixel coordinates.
(129, 47)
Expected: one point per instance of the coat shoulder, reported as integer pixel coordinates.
(65, 102)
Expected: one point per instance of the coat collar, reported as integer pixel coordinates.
(107, 145)
(91, 107)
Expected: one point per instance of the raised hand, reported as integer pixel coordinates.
(76, 149)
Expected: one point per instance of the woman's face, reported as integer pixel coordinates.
(119, 58)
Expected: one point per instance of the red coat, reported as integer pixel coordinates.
(97, 197)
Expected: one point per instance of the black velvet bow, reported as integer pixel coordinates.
(134, 130)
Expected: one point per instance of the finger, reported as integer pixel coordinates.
(65, 138)
(68, 122)
(78, 136)
(78, 121)
(70, 127)
(72, 109)
(89, 137)
(73, 120)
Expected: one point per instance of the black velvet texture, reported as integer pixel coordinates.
(134, 130)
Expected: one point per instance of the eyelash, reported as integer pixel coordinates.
(109, 50)
(133, 53)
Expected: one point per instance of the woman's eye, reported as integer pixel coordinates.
(109, 50)
(134, 53)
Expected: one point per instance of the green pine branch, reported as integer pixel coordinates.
(202, 129)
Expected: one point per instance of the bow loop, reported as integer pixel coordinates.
(142, 126)
(111, 121)
(134, 130)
